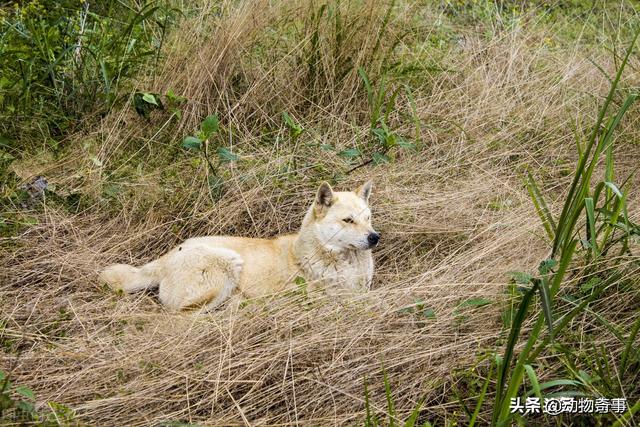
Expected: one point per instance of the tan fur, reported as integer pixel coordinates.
(328, 252)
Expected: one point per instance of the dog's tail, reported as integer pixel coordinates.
(130, 278)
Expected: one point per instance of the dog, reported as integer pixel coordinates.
(332, 251)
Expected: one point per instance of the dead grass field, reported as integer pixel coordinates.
(453, 212)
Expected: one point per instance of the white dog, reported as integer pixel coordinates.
(332, 251)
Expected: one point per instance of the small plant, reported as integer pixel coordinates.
(381, 105)
(210, 127)
(17, 406)
(295, 129)
(420, 312)
(175, 103)
(373, 420)
(146, 102)
(17, 400)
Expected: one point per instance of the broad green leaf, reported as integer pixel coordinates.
(520, 277)
(391, 140)
(547, 266)
(429, 313)
(172, 97)
(210, 125)
(26, 407)
(349, 153)
(26, 392)
(381, 134)
(288, 120)
(294, 127)
(380, 158)
(403, 143)
(150, 98)
(226, 155)
(192, 143)
(586, 378)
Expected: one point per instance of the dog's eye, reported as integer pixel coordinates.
(348, 220)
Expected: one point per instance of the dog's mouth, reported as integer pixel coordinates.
(366, 246)
(360, 247)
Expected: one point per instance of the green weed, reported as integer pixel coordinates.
(60, 60)
(209, 128)
(18, 407)
(372, 418)
(607, 226)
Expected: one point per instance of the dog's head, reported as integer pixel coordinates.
(342, 219)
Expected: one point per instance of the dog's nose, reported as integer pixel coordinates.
(373, 238)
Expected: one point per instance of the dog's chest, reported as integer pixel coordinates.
(351, 270)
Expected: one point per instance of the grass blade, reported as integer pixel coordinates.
(565, 259)
(516, 326)
(371, 419)
(591, 226)
(629, 346)
(541, 206)
(414, 113)
(411, 421)
(622, 421)
(481, 397)
(390, 406)
(534, 381)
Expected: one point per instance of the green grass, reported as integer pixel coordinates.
(609, 228)
(62, 61)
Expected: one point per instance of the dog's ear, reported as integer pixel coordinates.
(324, 198)
(365, 191)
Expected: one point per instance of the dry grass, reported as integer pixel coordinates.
(454, 216)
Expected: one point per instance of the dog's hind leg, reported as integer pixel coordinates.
(200, 275)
